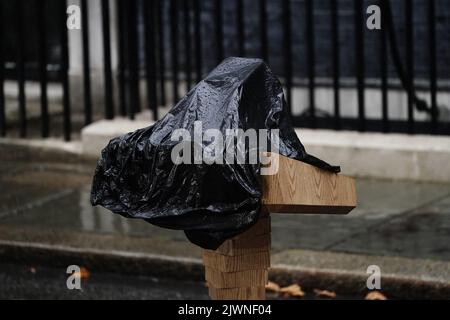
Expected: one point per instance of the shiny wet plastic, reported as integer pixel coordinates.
(137, 177)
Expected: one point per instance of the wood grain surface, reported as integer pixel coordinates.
(301, 188)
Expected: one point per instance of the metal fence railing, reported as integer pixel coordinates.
(170, 44)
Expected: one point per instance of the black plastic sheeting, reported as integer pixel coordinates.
(136, 177)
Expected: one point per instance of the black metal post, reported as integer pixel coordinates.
(67, 125)
(161, 52)
(336, 63)
(20, 68)
(310, 43)
(198, 40)
(384, 71)
(121, 49)
(42, 53)
(263, 30)
(150, 65)
(2, 77)
(174, 47)
(133, 63)
(360, 69)
(187, 43)
(86, 63)
(433, 72)
(287, 51)
(109, 101)
(409, 44)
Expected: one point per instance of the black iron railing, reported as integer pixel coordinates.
(170, 44)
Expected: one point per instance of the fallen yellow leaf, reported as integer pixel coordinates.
(272, 287)
(294, 290)
(375, 295)
(325, 293)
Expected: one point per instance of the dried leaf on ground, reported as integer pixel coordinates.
(325, 293)
(272, 287)
(293, 290)
(83, 274)
(375, 295)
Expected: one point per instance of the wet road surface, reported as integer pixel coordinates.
(37, 282)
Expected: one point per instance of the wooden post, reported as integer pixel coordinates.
(238, 269)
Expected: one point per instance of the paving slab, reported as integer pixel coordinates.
(422, 232)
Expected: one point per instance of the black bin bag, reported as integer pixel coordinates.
(137, 178)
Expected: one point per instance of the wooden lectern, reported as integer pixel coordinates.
(238, 269)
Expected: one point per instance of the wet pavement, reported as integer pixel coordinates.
(393, 218)
(402, 226)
